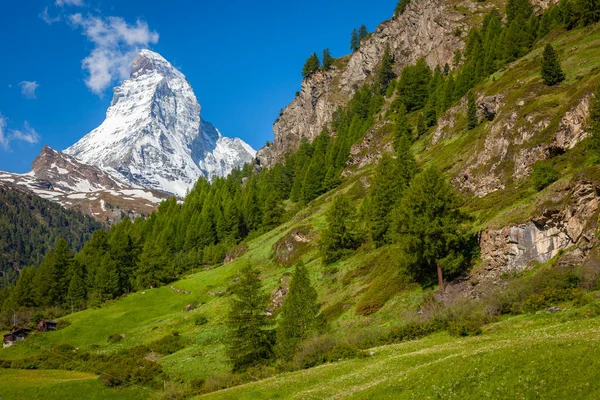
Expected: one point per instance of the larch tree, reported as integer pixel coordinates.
(430, 225)
(552, 73)
(300, 314)
(343, 233)
(249, 340)
(472, 120)
(327, 60)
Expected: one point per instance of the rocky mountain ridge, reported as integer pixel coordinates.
(429, 29)
(65, 180)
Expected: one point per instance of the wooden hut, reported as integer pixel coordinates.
(45, 325)
(16, 334)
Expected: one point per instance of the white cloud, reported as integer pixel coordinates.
(3, 138)
(27, 134)
(28, 89)
(45, 16)
(63, 3)
(116, 43)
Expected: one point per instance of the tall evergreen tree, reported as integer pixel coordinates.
(429, 224)
(594, 121)
(343, 231)
(77, 290)
(299, 315)
(552, 74)
(518, 8)
(311, 65)
(385, 72)
(249, 340)
(363, 32)
(472, 120)
(402, 129)
(354, 41)
(327, 60)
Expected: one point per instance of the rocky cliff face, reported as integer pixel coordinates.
(568, 225)
(429, 29)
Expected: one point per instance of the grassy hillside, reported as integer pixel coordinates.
(532, 355)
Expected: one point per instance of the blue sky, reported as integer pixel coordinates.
(242, 58)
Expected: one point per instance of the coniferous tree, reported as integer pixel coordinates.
(249, 340)
(343, 232)
(421, 125)
(62, 258)
(354, 41)
(363, 32)
(590, 11)
(402, 129)
(77, 289)
(300, 315)
(413, 85)
(429, 225)
(327, 60)
(312, 64)
(272, 212)
(385, 72)
(552, 74)
(472, 120)
(594, 121)
(24, 291)
(518, 8)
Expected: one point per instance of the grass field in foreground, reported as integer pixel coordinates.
(526, 357)
(31, 384)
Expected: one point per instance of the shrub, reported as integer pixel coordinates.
(543, 175)
(200, 320)
(168, 344)
(114, 338)
(321, 349)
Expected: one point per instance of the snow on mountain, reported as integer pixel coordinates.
(153, 135)
(63, 179)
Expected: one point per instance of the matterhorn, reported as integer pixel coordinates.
(154, 136)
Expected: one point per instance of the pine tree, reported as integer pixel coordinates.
(552, 74)
(413, 85)
(354, 41)
(249, 341)
(421, 125)
(385, 72)
(518, 8)
(108, 278)
(272, 211)
(327, 60)
(385, 193)
(312, 64)
(363, 32)
(402, 129)
(342, 234)
(77, 290)
(429, 225)
(471, 111)
(590, 11)
(594, 121)
(299, 315)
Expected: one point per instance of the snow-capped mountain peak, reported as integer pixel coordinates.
(153, 135)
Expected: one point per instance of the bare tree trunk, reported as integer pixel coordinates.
(440, 279)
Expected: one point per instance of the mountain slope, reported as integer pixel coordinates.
(74, 185)
(153, 135)
(30, 226)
